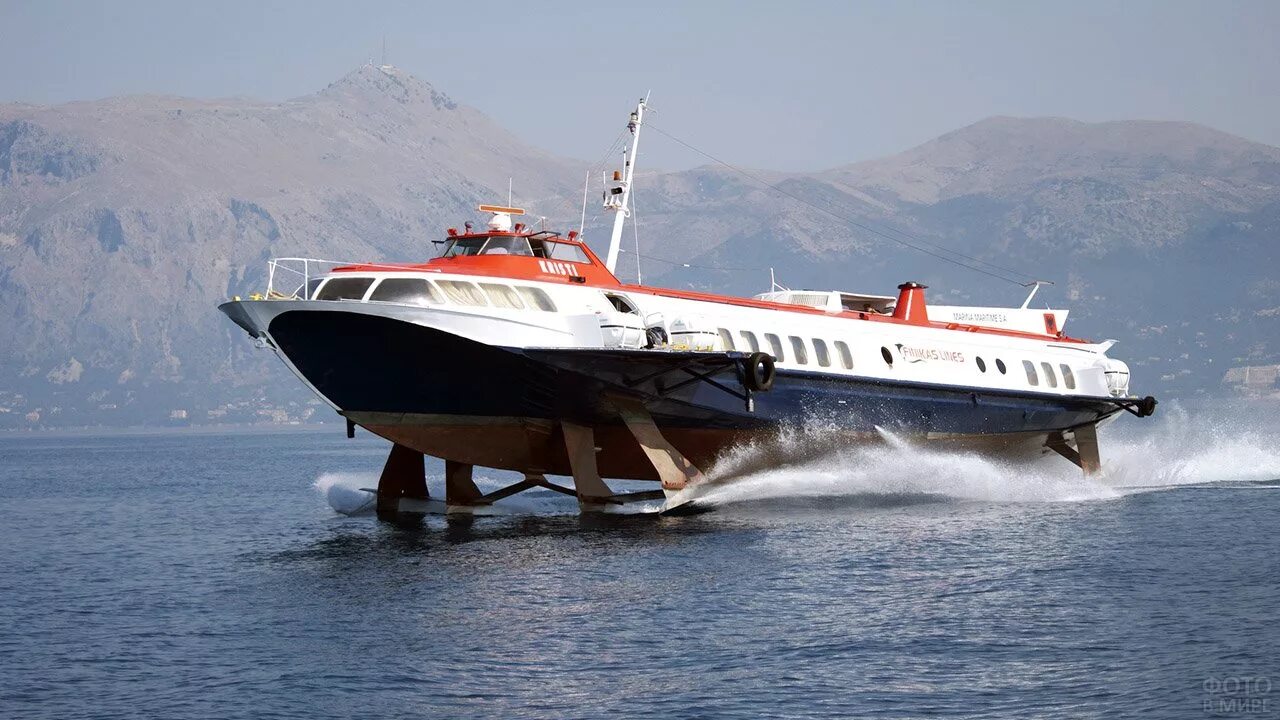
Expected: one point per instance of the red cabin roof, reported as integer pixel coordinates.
(542, 256)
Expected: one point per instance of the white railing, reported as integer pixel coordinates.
(288, 278)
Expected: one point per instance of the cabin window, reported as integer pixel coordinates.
(982, 365)
(750, 338)
(776, 345)
(1030, 367)
(464, 246)
(507, 245)
(1049, 377)
(1000, 366)
(621, 304)
(536, 298)
(726, 339)
(310, 290)
(888, 356)
(463, 293)
(566, 251)
(797, 346)
(846, 357)
(503, 296)
(344, 288)
(820, 352)
(1068, 377)
(406, 291)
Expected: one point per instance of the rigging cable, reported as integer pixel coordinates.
(635, 230)
(915, 244)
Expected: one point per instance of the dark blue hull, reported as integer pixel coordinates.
(370, 364)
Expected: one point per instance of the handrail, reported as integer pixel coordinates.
(294, 268)
(306, 269)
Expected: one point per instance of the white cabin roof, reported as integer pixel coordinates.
(834, 301)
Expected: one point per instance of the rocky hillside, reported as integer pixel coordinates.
(123, 222)
(1165, 235)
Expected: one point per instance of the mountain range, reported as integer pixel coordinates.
(124, 221)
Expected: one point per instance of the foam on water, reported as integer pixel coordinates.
(344, 494)
(1177, 449)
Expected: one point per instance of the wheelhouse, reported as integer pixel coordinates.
(547, 245)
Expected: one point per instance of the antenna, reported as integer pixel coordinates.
(1035, 285)
(582, 224)
(384, 49)
(773, 283)
(618, 197)
(508, 192)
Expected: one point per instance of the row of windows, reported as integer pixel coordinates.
(418, 291)
(1033, 377)
(799, 351)
(801, 356)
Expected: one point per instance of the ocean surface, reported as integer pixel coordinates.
(199, 575)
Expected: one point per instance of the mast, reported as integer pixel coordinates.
(618, 198)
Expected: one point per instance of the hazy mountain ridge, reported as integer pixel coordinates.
(124, 221)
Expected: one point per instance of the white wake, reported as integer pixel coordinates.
(1178, 448)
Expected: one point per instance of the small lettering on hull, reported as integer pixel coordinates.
(979, 317)
(915, 354)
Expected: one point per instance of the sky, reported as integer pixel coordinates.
(780, 85)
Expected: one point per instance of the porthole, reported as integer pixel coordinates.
(820, 351)
(888, 356)
(776, 345)
(1000, 366)
(846, 357)
(1068, 377)
(1032, 377)
(982, 365)
(1048, 374)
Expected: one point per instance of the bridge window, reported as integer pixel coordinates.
(846, 357)
(797, 346)
(750, 338)
(566, 251)
(820, 351)
(536, 298)
(464, 246)
(507, 245)
(726, 339)
(406, 291)
(1030, 367)
(463, 293)
(503, 296)
(1068, 377)
(1049, 377)
(982, 365)
(344, 288)
(776, 345)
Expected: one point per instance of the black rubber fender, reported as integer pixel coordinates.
(760, 372)
(1147, 406)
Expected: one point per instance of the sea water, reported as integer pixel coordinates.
(196, 574)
